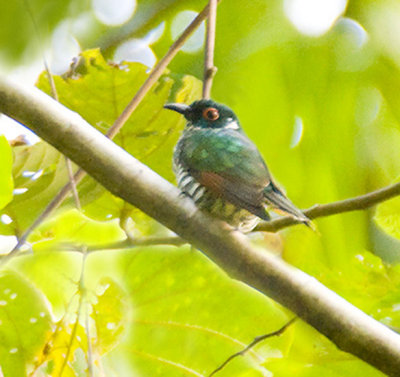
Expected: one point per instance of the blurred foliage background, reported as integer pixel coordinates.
(314, 83)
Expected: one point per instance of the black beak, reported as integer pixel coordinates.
(180, 108)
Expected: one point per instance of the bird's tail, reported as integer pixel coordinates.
(278, 201)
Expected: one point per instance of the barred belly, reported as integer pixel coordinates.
(239, 218)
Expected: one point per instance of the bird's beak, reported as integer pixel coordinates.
(180, 108)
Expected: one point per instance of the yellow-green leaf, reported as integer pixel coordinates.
(388, 217)
(24, 323)
(110, 314)
(6, 182)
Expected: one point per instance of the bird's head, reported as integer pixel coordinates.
(206, 113)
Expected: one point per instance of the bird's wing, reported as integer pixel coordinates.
(229, 165)
(279, 201)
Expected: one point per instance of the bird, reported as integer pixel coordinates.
(222, 170)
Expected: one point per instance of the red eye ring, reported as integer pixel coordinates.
(211, 113)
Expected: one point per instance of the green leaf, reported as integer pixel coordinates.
(68, 340)
(24, 323)
(110, 315)
(327, 368)
(187, 316)
(6, 181)
(56, 275)
(387, 217)
(39, 172)
(74, 228)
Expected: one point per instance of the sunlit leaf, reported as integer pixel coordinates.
(6, 182)
(72, 228)
(64, 353)
(388, 217)
(24, 323)
(39, 172)
(56, 274)
(184, 307)
(110, 315)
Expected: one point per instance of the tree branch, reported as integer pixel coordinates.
(128, 243)
(209, 68)
(348, 327)
(321, 210)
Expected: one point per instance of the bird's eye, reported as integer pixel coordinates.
(211, 113)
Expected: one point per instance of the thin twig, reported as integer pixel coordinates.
(54, 94)
(146, 241)
(209, 68)
(50, 78)
(39, 40)
(357, 203)
(256, 340)
(147, 85)
(128, 243)
(73, 183)
(78, 313)
(68, 164)
(83, 293)
(89, 345)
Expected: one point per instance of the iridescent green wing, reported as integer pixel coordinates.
(229, 164)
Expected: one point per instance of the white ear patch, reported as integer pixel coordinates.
(232, 124)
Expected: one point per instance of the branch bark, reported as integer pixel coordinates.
(348, 327)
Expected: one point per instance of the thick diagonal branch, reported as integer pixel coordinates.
(348, 327)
